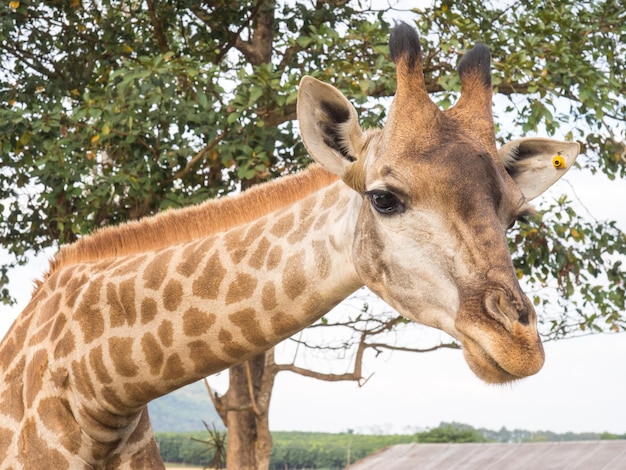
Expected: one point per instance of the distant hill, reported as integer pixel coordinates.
(184, 410)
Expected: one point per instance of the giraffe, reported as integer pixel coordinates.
(417, 211)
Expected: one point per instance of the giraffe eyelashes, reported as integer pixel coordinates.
(385, 202)
(523, 218)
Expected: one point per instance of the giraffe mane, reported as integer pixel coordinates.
(175, 226)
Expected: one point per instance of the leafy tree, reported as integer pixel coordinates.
(110, 111)
(452, 433)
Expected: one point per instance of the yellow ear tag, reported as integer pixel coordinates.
(558, 162)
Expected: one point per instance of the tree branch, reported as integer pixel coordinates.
(158, 30)
(415, 350)
(258, 49)
(216, 400)
(253, 404)
(320, 375)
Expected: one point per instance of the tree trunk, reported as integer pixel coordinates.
(244, 409)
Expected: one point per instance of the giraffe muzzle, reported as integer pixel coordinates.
(500, 338)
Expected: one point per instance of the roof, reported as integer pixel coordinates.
(583, 455)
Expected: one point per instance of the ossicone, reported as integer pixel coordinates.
(404, 43)
(476, 62)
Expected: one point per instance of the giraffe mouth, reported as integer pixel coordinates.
(485, 366)
(499, 337)
(504, 359)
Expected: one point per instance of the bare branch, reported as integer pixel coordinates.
(158, 30)
(319, 375)
(216, 400)
(253, 404)
(415, 350)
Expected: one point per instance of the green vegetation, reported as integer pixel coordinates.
(322, 450)
(180, 448)
(451, 432)
(326, 450)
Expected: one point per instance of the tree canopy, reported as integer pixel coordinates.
(110, 111)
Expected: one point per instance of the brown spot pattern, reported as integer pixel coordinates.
(231, 347)
(253, 234)
(330, 198)
(303, 229)
(207, 286)
(174, 368)
(50, 308)
(116, 308)
(88, 314)
(126, 265)
(127, 295)
(283, 225)
(12, 400)
(56, 415)
(241, 288)
(73, 289)
(148, 310)
(307, 206)
(321, 221)
(111, 396)
(141, 392)
(155, 272)
(249, 325)
(96, 361)
(41, 335)
(33, 379)
(235, 244)
(258, 257)
(140, 431)
(59, 324)
(191, 255)
(153, 353)
(120, 351)
(196, 322)
(322, 259)
(166, 333)
(81, 378)
(268, 296)
(6, 435)
(274, 257)
(284, 324)
(294, 279)
(65, 346)
(204, 359)
(35, 452)
(8, 351)
(172, 295)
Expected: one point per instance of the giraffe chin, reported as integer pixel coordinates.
(510, 368)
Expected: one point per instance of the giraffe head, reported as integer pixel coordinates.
(437, 198)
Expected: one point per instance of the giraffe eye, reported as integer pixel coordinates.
(385, 202)
(522, 219)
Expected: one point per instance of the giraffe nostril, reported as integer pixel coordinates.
(506, 309)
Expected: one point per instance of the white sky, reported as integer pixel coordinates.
(582, 386)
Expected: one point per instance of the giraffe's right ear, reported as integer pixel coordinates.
(329, 126)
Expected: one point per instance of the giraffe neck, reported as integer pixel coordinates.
(208, 304)
(100, 339)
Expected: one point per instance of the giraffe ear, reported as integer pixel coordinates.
(329, 126)
(535, 164)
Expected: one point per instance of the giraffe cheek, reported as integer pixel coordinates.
(368, 254)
